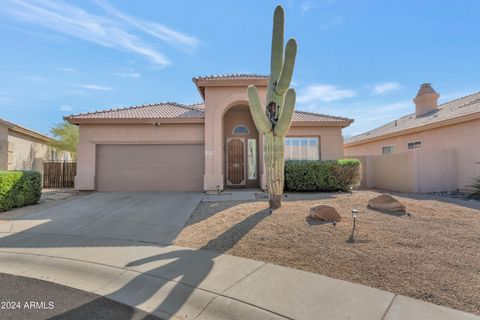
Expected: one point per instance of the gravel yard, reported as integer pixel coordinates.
(432, 255)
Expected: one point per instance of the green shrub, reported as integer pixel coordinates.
(310, 175)
(475, 189)
(19, 188)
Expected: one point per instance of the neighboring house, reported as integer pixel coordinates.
(205, 146)
(24, 149)
(441, 144)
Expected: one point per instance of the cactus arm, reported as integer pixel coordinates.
(277, 44)
(258, 114)
(285, 119)
(287, 70)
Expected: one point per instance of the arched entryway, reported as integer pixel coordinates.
(241, 149)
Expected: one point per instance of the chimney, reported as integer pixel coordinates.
(426, 99)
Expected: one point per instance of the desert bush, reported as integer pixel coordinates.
(475, 189)
(19, 188)
(311, 175)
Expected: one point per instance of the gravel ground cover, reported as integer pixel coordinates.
(432, 254)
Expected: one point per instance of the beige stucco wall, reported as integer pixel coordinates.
(389, 172)
(220, 99)
(392, 172)
(25, 152)
(455, 146)
(437, 170)
(217, 101)
(93, 134)
(3, 147)
(367, 175)
(331, 139)
(412, 171)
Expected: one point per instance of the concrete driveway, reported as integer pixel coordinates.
(155, 217)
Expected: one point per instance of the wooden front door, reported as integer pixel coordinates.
(235, 161)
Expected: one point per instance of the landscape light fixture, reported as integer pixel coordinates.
(354, 216)
(218, 190)
(354, 213)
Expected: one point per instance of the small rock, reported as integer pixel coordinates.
(386, 202)
(324, 212)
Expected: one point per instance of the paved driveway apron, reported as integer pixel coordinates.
(141, 216)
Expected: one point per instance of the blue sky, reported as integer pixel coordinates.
(359, 59)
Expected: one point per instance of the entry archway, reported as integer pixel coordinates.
(241, 148)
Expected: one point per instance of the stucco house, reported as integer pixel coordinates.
(206, 146)
(24, 149)
(439, 142)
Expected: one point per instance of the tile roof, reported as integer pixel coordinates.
(233, 76)
(450, 110)
(171, 110)
(26, 131)
(303, 116)
(163, 110)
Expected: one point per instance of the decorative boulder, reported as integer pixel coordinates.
(386, 202)
(325, 213)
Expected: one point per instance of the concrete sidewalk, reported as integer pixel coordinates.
(174, 282)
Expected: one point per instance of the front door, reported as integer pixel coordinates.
(235, 162)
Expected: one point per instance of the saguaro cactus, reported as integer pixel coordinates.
(273, 121)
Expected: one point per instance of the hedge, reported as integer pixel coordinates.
(19, 188)
(475, 194)
(311, 175)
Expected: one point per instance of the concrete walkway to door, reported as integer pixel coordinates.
(113, 245)
(234, 195)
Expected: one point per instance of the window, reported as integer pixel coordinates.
(240, 129)
(302, 148)
(414, 145)
(387, 150)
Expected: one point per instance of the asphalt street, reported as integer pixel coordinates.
(25, 298)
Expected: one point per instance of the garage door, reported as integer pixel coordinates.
(149, 167)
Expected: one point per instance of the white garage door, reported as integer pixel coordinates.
(150, 167)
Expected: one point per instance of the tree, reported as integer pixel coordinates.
(66, 137)
(275, 120)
